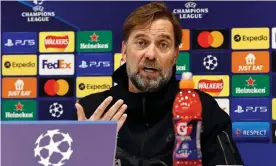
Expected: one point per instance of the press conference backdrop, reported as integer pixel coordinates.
(51, 60)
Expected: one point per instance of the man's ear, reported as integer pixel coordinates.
(123, 50)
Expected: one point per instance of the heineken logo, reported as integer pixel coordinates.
(19, 110)
(94, 41)
(245, 85)
(183, 63)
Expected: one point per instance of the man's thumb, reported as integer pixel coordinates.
(80, 112)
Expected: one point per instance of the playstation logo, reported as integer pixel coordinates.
(9, 43)
(83, 65)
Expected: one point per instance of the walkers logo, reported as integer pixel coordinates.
(183, 63)
(250, 109)
(274, 109)
(250, 85)
(19, 42)
(224, 104)
(251, 131)
(273, 133)
(90, 85)
(19, 87)
(19, 110)
(95, 64)
(210, 39)
(211, 62)
(56, 109)
(273, 36)
(94, 41)
(191, 11)
(56, 64)
(185, 43)
(250, 62)
(273, 61)
(217, 85)
(118, 60)
(57, 41)
(250, 38)
(56, 87)
(19, 65)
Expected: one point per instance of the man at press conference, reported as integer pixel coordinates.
(143, 97)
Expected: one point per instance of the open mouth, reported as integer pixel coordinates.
(149, 69)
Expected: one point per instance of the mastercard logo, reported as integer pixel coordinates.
(56, 87)
(208, 39)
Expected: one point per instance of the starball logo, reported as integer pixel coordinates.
(38, 14)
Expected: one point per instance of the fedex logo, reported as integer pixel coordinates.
(19, 42)
(56, 64)
(95, 64)
(250, 109)
(59, 64)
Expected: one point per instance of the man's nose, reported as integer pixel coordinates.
(151, 52)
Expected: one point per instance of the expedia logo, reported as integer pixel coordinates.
(245, 38)
(56, 42)
(211, 86)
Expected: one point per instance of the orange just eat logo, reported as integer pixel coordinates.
(250, 62)
(185, 42)
(217, 85)
(19, 87)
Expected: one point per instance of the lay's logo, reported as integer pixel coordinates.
(213, 85)
(56, 41)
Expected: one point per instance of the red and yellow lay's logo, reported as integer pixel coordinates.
(213, 85)
(56, 41)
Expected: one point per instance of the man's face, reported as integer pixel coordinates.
(150, 54)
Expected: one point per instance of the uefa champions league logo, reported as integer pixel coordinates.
(53, 148)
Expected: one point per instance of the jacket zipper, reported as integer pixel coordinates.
(222, 150)
(231, 146)
(145, 133)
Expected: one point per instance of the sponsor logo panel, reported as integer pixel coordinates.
(56, 87)
(210, 39)
(224, 104)
(273, 36)
(56, 64)
(274, 109)
(56, 109)
(250, 38)
(185, 43)
(19, 65)
(250, 62)
(19, 42)
(250, 85)
(19, 87)
(250, 109)
(90, 85)
(273, 133)
(63, 41)
(251, 131)
(217, 85)
(94, 41)
(183, 63)
(95, 64)
(19, 110)
(273, 63)
(118, 60)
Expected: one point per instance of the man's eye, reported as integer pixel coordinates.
(141, 43)
(164, 45)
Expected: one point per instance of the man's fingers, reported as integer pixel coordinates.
(100, 110)
(80, 112)
(121, 121)
(110, 113)
(120, 112)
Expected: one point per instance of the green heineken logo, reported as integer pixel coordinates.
(94, 41)
(250, 85)
(19, 110)
(183, 63)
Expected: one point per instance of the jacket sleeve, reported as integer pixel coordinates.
(218, 147)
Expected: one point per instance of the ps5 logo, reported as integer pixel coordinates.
(95, 64)
(29, 42)
(251, 109)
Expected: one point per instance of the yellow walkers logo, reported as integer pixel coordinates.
(250, 38)
(19, 65)
(213, 85)
(56, 41)
(90, 85)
